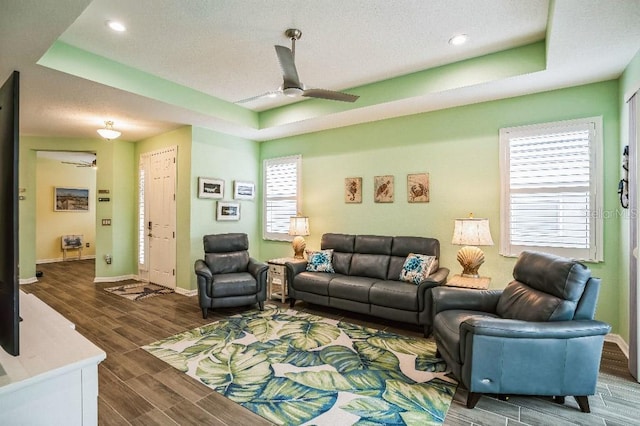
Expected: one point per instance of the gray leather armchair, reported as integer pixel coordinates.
(535, 337)
(228, 276)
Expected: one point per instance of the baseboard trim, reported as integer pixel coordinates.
(618, 340)
(185, 292)
(69, 259)
(97, 280)
(31, 280)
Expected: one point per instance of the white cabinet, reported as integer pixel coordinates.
(54, 381)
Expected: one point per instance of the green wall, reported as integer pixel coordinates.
(206, 153)
(229, 158)
(121, 207)
(458, 147)
(182, 139)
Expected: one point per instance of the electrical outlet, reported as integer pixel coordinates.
(88, 245)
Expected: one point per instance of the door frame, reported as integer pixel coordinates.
(144, 166)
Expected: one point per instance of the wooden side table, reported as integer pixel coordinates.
(277, 278)
(481, 283)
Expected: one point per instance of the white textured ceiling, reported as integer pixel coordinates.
(224, 48)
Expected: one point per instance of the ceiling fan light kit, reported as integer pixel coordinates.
(108, 132)
(292, 86)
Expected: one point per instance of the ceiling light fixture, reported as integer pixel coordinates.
(108, 133)
(458, 39)
(116, 26)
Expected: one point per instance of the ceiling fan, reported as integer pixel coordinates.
(291, 85)
(93, 163)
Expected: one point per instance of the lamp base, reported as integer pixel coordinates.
(299, 244)
(470, 259)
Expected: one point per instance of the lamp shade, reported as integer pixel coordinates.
(472, 232)
(299, 225)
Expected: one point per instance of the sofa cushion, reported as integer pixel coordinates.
(559, 276)
(521, 302)
(394, 294)
(227, 263)
(546, 288)
(416, 268)
(351, 288)
(342, 245)
(235, 284)
(373, 244)
(313, 282)
(320, 261)
(369, 265)
(447, 324)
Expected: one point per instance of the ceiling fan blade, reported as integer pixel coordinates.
(288, 66)
(330, 94)
(271, 94)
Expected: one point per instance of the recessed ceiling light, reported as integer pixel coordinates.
(458, 39)
(116, 26)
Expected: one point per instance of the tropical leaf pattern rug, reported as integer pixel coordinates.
(294, 368)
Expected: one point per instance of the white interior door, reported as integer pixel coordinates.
(160, 217)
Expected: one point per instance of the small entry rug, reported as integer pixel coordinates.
(294, 368)
(139, 291)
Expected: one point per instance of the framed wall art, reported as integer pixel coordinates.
(353, 190)
(244, 190)
(383, 189)
(210, 188)
(228, 211)
(70, 199)
(418, 188)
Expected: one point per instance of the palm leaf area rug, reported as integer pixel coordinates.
(294, 368)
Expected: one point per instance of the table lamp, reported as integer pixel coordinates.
(471, 232)
(299, 226)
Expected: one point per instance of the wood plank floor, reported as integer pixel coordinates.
(138, 389)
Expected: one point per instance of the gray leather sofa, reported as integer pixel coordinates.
(535, 337)
(366, 279)
(228, 276)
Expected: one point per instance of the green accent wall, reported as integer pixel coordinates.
(229, 158)
(458, 147)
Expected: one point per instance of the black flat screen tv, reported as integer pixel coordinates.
(9, 292)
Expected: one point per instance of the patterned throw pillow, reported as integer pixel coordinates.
(320, 261)
(417, 268)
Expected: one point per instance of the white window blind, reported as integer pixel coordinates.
(551, 182)
(282, 177)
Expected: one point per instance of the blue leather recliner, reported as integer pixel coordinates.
(535, 337)
(228, 276)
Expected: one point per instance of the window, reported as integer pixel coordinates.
(282, 178)
(551, 179)
(141, 225)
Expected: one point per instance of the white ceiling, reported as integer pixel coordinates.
(224, 49)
